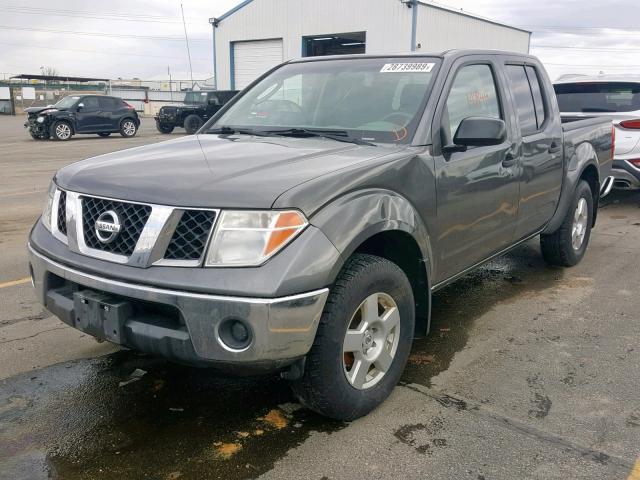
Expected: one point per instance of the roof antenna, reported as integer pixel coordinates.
(187, 40)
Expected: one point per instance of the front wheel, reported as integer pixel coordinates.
(566, 246)
(363, 340)
(192, 124)
(61, 131)
(128, 128)
(164, 128)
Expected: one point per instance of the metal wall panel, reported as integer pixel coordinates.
(387, 24)
(440, 29)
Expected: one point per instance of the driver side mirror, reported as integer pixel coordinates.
(80, 106)
(478, 132)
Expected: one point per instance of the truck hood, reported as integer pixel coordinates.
(213, 170)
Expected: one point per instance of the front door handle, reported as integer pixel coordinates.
(509, 160)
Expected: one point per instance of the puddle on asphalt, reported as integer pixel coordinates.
(457, 306)
(74, 421)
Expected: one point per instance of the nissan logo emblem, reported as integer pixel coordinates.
(108, 226)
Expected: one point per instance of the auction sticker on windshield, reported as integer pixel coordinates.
(407, 67)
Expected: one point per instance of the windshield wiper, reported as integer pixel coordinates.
(338, 135)
(225, 130)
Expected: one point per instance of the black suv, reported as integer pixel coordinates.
(197, 108)
(82, 114)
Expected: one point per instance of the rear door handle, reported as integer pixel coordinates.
(554, 147)
(509, 160)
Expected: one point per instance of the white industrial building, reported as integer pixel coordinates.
(256, 35)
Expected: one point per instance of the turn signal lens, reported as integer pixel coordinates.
(249, 238)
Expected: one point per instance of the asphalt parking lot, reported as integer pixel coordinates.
(530, 372)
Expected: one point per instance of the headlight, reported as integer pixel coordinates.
(40, 119)
(48, 206)
(249, 238)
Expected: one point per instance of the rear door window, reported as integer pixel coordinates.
(90, 104)
(108, 104)
(523, 97)
(536, 90)
(473, 94)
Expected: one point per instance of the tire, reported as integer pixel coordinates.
(192, 123)
(566, 246)
(324, 386)
(104, 134)
(163, 128)
(128, 128)
(61, 131)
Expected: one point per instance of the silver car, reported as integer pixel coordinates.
(616, 96)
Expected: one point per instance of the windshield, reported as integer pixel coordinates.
(372, 99)
(196, 97)
(607, 97)
(66, 102)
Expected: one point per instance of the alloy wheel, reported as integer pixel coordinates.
(63, 131)
(371, 341)
(129, 128)
(580, 219)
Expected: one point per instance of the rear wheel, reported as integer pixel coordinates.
(164, 128)
(104, 134)
(128, 128)
(192, 123)
(61, 131)
(363, 340)
(566, 246)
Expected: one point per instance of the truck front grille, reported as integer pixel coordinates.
(62, 213)
(133, 218)
(190, 236)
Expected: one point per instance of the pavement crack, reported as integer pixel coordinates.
(31, 336)
(43, 315)
(476, 408)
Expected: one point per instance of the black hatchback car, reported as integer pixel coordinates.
(99, 114)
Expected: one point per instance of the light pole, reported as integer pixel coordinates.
(214, 25)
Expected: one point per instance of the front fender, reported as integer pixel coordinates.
(580, 158)
(353, 218)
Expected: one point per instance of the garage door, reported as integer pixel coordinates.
(252, 59)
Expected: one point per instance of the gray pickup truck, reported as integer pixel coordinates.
(305, 227)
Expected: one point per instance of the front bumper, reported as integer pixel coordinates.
(37, 128)
(183, 326)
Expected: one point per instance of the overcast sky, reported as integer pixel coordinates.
(143, 38)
